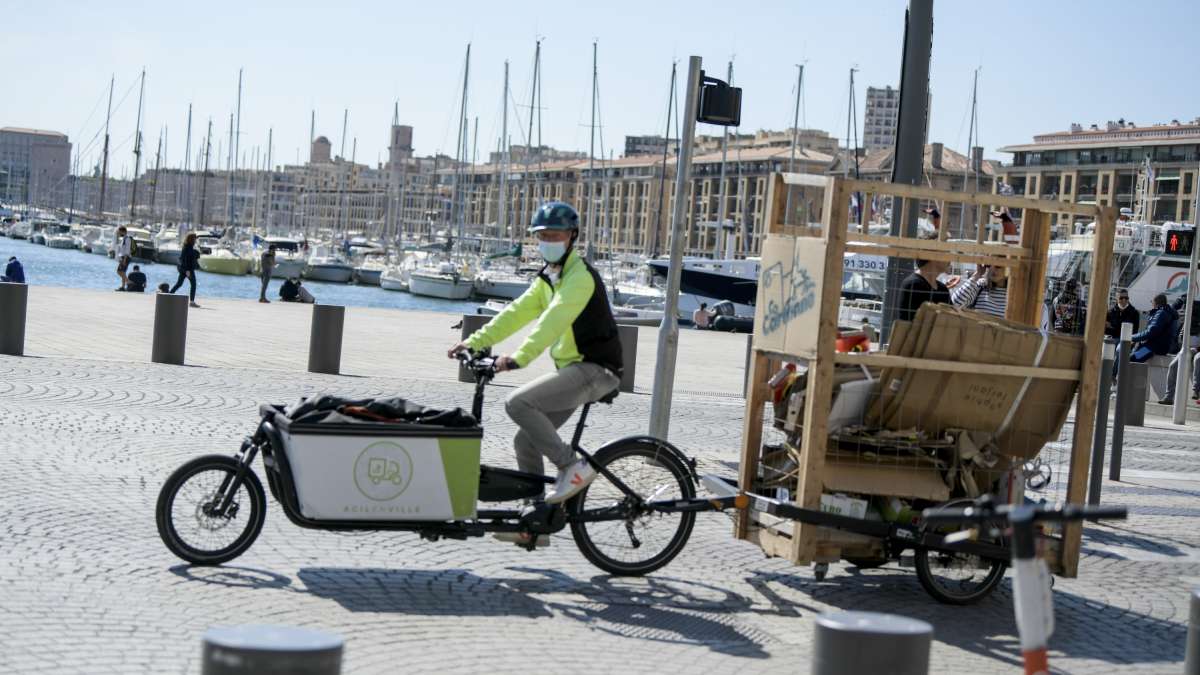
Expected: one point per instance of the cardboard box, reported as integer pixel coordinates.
(843, 505)
(1023, 412)
(787, 308)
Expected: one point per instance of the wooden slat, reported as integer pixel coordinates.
(865, 221)
(1085, 405)
(820, 373)
(926, 254)
(973, 198)
(752, 431)
(956, 246)
(879, 360)
(806, 179)
(981, 222)
(1029, 278)
(798, 231)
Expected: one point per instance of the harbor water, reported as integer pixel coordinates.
(76, 269)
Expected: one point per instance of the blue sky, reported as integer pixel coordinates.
(1044, 65)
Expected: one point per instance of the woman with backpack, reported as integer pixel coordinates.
(189, 260)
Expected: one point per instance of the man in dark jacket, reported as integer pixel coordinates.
(14, 273)
(1159, 336)
(1122, 312)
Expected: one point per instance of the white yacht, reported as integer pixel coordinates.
(501, 283)
(58, 235)
(326, 265)
(369, 267)
(290, 259)
(444, 280)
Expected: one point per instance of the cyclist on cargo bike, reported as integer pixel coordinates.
(573, 319)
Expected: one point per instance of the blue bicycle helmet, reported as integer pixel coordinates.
(554, 216)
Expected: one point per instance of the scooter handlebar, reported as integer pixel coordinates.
(985, 512)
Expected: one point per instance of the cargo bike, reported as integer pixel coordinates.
(634, 518)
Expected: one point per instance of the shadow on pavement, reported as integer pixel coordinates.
(1108, 534)
(650, 608)
(1085, 628)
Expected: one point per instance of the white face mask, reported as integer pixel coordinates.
(552, 251)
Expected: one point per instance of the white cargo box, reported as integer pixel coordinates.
(374, 471)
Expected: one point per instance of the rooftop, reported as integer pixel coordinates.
(33, 132)
(1113, 134)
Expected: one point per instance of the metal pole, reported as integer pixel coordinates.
(1100, 434)
(1184, 371)
(1191, 662)
(910, 140)
(1124, 375)
(668, 332)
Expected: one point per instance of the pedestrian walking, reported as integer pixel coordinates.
(14, 272)
(122, 252)
(1069, 315)
(189, 259)
(266, 267)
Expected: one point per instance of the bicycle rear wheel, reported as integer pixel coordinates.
(645, 540)
(187, 517)
(957, 578)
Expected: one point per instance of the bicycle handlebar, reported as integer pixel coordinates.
(984, 511)
(480, 362)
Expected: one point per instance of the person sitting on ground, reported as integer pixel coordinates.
(135, 281)
(14, 273)
(1122, 312)
(986, 291)
(1068, 310)
(701, 317)
(1159, 337)
(292, 291)
(164, 287)
(922, 286)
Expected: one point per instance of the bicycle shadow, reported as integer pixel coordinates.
(1110, 534)
(1085, 627)
(655, 609)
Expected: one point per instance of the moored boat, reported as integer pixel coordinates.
(445, 281)
(225, 261)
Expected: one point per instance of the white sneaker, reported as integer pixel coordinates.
(571, 481)
(523, 539)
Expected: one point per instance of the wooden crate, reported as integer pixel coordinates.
(813, 340)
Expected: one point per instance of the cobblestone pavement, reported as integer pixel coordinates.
(86, 585)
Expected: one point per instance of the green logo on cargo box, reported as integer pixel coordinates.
(383, 471)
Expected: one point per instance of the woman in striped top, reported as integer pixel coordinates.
(985, 291)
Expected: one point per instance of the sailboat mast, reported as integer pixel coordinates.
(157, 166)
(342, 181)
(74, 182)
(137, 148)
(662, 178)
(787, 213)
(237, 136)
(270, 172)
(187, 166)
(591, 193)
(503, 215)
(204, 175)
(460, 146)
(104, 170)
(721, 210)
(962, 212)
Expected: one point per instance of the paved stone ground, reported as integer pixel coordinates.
(86, 585)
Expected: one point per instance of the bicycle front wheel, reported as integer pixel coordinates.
(188, 514)
(645, 540)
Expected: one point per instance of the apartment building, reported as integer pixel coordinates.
(34, 165)
(1100, 165)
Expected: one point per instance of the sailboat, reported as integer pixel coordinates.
(447, 279)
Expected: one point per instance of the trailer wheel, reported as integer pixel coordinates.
(957, 578)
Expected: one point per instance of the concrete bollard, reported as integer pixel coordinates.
(14, 299)
(1135, 405)
(170, 328)
(470, 324)
(851, 643)
(252, 649)
(325, 339)
(629, 345)
(1191, 662)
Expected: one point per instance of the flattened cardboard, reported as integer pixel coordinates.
(885, 478)
(1024, 412)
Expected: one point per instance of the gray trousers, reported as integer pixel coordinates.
(542, 406)
(265, 277)
(1173, 372)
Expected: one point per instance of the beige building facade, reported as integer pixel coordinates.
(1100, 165)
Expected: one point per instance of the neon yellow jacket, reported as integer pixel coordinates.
(573, 319)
